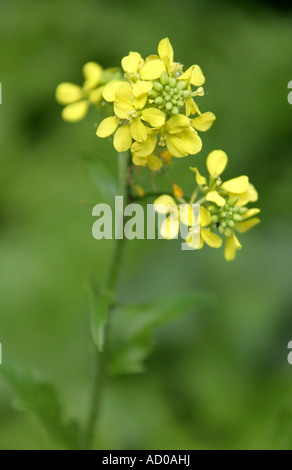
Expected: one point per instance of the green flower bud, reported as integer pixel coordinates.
(186, 93)
(182, 84)
(221, 229)
(224, 224)
(172, 82)
(231, 223)
(152, 94)
(167, 88)
(175, 110)
(224, 215)
(157, 86)
(232, 201)
(164, 79)
(212, 209)
(168, 106)
(237, 218)
(214, 219)
(180, 103)
(167, 97)
(243, 210)
(228, 232)
(174, 101)
(159, 101)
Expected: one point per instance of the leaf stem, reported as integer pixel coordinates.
(109, 287)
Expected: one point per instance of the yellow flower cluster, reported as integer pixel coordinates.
(223, 209)
(154, 108)
(77, 99)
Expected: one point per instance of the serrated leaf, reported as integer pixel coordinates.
(42, 400)
(132, 330)
(102, 177)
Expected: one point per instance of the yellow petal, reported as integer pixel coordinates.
(211, 238)
(165, 204)
(187, 216)
(177, 124)
(191, 107)
(152, 70)
(246, 225)
(140, 87)
(139, 161)
(213, 196)
(216, 162)
(165, 49)
(67, 93)
(236, 185)
(194, 142)
(201, 180)
(153, 162)
(144, 149)
(123, 107)
(192, 241)
(107, 127)
(177, 146)
(92, 74)
(138, 130)
(153, 116)
(170, 228)
(140, 101)
(132, 62)
(109, 91)
(204, 121)
(251, 213)
(122, 138)
(250, 195)
(75, 112)
(194, 74)
(197, 77)
(95, 96)
(205, 217)
(231, 246)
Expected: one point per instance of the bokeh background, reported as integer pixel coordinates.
(219, 376)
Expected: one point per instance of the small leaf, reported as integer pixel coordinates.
(42, 400)
(132, 329)
(102, 177)
(99, 305)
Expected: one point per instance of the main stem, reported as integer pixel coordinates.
(109, 287)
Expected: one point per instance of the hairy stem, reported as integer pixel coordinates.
(109, 287)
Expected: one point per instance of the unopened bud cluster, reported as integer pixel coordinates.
(169, 94)
(224, 218)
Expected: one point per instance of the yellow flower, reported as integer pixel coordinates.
(128, 122)
(177, 134)
(78, 99)
(240, 186)
(206, 234)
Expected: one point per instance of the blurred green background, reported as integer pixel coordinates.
(219, 376)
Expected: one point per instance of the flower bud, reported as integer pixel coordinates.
(186, 93)
(159, 101)
(243, 210)
(168, 106)
(164, 79)
(214, 219)
(232, 201)
(152, 94)
(172, 82)
(228, 232)
(231, 223)
(182, 84)
(157, 86)
(237, 218)
(180, 103)
(175, 110)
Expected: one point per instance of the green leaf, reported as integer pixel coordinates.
(42, 400)
(102, 177)
(99, 305)
(132, 329)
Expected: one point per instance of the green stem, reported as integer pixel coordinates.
(109, 287)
